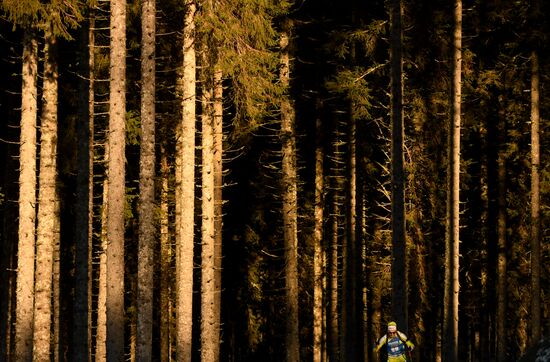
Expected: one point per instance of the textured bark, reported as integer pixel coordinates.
(101, 332)
(290, 221)
(165, 261)
(502, 278)
(84, 194)
(210, 336)
(451, 288)
(319, 354)
(45, 234)
(146, 186)
(27, 203)
(218, 194)
(399, 254)
(116, 183)
(536, 327)
(185, 196)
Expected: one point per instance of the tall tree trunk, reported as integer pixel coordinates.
(333, 295)
(47, 196)
(289, 188)
(535, 203)
(210, 336)
(185, 195)
(101, 333)
(116, 183)
(451, 289)
(318, 252)
(27, 202)
(349, 314)
(146, 185)
(399, 252)
(502, 278)
(218, 194)
(84, 194)
(165, 260)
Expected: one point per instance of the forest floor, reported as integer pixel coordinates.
(540, 353)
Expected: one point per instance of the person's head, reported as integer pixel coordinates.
(392, 328)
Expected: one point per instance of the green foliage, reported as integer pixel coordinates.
(58, 15)
(246, 55)
(133, 127)
(352, 85)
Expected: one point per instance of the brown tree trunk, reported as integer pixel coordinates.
(47, 199)
(535, 204)
(185, 195)
(289, 189)
(399, 253)
(165, 261)
(84, 194)
(116, 183)
(146, 186)
(27, 202)
(451, 289)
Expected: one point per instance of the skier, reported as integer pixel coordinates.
(396, 342)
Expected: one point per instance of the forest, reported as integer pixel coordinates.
(274, 180)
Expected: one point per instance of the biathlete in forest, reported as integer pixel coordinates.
(397, 344)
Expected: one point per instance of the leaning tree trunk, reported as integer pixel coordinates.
(290, 221)
(146, 186)
(185, 195)
(116, 183)
(451, 288)
(27, 202)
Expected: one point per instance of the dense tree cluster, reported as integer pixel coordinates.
(244, 180)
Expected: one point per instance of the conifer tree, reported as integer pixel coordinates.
(116, 183)
(147, 182)
(451, 289)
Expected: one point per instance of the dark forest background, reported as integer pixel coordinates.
(340, 75)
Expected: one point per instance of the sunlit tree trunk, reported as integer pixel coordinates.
(185, 195)
(116, 183)
(289, 188)
(27, 202)
(218, 194)
(318, 252)
(84, 194)
(451, 289)
(45, 233)
(146, 185)
(209, 326)
(101, 332)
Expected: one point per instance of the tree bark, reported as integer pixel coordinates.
(210, 336)
(185, 195)
(146, 186)
(451, 289)
(535, 204)
(165, 261)
(289, 188)
(399, 252)
(84, 195)
(116, 183)
(318, 253)
(27, 202)
(47, 195)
